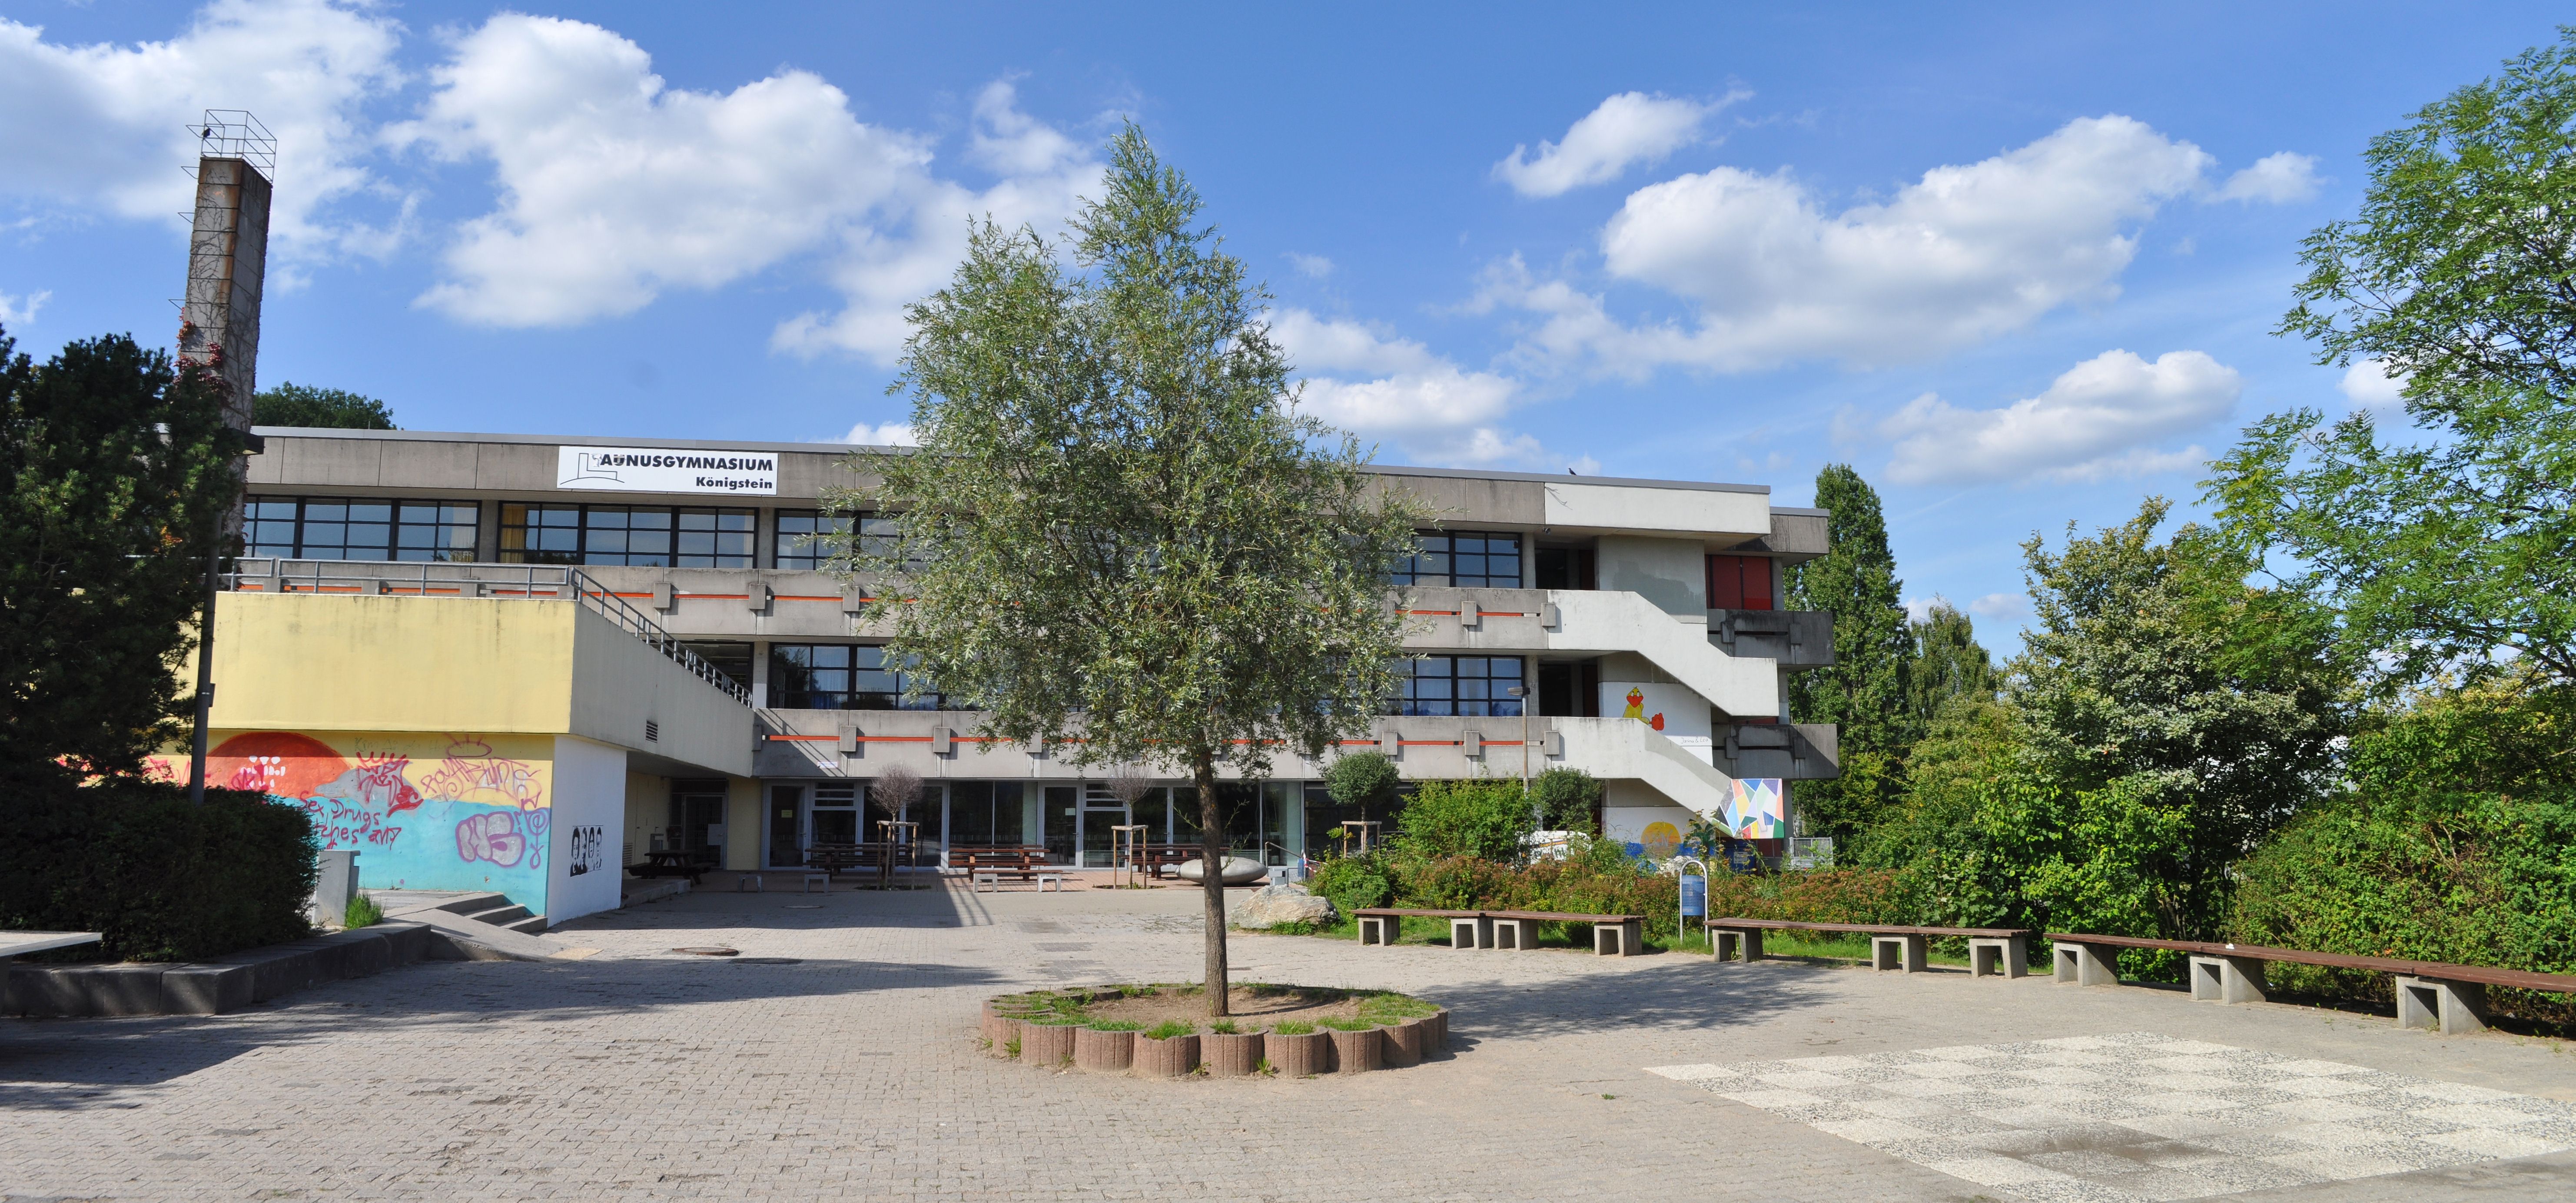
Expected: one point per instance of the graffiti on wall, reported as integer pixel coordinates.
(423, 812)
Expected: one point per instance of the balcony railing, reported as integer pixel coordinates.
(430, 578)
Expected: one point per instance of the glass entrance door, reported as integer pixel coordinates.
(1097, 837)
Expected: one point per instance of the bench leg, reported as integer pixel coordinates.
(2451, 1008)
(2227, 980)
(2087, 965)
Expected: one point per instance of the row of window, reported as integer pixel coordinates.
(644, 536)
(845, 676)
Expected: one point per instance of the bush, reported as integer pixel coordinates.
(159, 879)
(1351, 883)
(1486, 818)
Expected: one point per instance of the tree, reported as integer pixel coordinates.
(2184, 713)
(1947, 664)
(1863, 692)
(293, 404)
(2448, 553)
(1118, 537)
(115, 467)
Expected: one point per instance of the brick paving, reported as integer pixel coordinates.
(851, 1071)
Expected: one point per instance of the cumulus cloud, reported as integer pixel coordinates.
(1399, 390)
(104, 125)
(891, 434)
(18, 311)
(614, 187)
(1959, 256)
(2278, 179)
(2091, 424)
(1625, 130)
(2368, 385)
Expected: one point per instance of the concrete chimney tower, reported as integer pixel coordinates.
(228, 254)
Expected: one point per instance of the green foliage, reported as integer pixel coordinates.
(1484, 818)
(1170, 1028)
(1119, 538)
(1864, 692)
(1566, 796)
(362, 911)
(1351, 883)
(1362, 779)
(159, 879)
(115, 470)
(298, 405)
(2456, 842)
(1294, 1027)
(2446, 551)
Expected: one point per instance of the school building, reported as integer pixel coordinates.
(516, 663)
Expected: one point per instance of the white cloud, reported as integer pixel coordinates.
(2368, 385)
(1398, 390)
(2090, 424)
(2000, 606)
(614, 188)
(104, 125)
(1313, 267)
(1625, 130)
(881, 268)
(18, 311)
(892, 434)
(2277, 179)
(1959, 256)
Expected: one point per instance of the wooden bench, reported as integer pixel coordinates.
(1992, 951)
(1612, 935)
(2451, 999)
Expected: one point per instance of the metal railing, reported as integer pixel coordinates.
(432, 578)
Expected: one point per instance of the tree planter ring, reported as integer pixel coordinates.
(1231, 1054)
(1174, 1057)
(1299, 1056)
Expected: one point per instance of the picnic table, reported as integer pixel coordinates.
(2436, 995)
(1992, 951)
(1612, 935)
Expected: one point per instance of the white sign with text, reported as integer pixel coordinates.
(666, 470)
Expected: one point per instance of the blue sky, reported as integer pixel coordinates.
(2019, 265)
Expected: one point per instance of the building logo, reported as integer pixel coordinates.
(666, 470)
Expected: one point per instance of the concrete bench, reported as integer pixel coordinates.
(1992, 951)
(2450, 999)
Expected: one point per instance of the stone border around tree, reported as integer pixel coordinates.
(1025, 1034)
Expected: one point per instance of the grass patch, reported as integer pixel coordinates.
(1170, 1028)
(1293, 1027)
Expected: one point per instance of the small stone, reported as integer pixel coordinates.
(1286, 902)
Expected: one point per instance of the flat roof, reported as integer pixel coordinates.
(447, 436)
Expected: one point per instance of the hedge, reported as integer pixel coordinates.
(160, 879)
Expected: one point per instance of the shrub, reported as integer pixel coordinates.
(159, 879)
(1486, 818)
(1352, 882)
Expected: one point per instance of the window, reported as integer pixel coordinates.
(839, 676)
(641, 536)
(358, 528)
(1468, 685)
(1466, 560)
(1739, 583)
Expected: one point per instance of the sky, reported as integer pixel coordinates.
(2018, 264)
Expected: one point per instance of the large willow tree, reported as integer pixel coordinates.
(1118, 537)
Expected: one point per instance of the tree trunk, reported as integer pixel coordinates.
(1212, 884)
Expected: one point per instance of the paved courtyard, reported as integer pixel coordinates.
(836, 1058)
